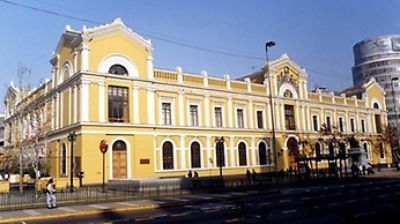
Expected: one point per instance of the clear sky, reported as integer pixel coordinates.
(317, 35)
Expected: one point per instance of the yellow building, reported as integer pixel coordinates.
(163, 123)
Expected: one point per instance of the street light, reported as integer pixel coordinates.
(270, 44)
(72, 137)
(396, 117)
(220, 142)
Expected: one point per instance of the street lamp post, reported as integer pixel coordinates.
(72, 138)
(396, 117)
(220, 142)
(270, 44)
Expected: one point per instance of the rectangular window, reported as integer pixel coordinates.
(363, 126)
(378, 123)
(289, 117)
(166, 113)
(352, 127)
(218, 117)
(260, 122)
(340, 124)
(240, 118)
(118, 104)
(328, 124)
(315, 123)
(194, 116)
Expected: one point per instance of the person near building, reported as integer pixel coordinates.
(50, 194)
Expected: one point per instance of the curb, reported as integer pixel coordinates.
(124, 209)
(81, 213)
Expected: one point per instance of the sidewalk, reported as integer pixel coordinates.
(113, 207)
(164, 202)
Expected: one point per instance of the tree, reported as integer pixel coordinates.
(25, 121)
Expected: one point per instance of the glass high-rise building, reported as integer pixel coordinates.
(379, 58)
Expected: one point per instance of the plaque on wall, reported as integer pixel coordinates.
(144, 161)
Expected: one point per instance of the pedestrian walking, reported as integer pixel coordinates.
(50, 194)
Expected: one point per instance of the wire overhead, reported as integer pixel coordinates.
(166, 40)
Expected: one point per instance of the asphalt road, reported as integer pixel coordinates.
(375, 201)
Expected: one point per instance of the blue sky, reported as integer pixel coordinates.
(317, 35)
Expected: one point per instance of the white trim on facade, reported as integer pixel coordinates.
(114, 59)
(128, 157)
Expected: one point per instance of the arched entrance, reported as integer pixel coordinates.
(119, 160)
(293, 149)
(262, 153)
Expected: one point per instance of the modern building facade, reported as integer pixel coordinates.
(379, 58)
(163, 123)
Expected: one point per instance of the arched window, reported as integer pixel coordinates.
(119, 146)
(63, 160)
(376, 106)
(317, 149)
(168, 156)
(242, 154)
(195, 155)
(118, 70)
(262, 153)
(220, 153)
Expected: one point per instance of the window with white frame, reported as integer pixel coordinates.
(260, 120)
(240, 118)
(341, 126)
(194, 115)
(363, 126)
(218, 116)
(352, 125)
(166, 113)
(315, 123)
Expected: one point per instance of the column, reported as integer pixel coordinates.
(297, 116)
(75, 69)
(347, 126)
(207, 109)
(61, 109)
(251, 114)
(181, 109)
(150, 106)
(53, 109)
(135, 108)
(278, 116)
(183, 154)
(253, 152)
(85, 57)
(309, 128)
(269, 116)
(230, 112)
(282, 113)
(70, 105)
(102, 101)
(232, 153)
(57, 110)
(84, 100)
(209, 155)
(303, 114)
(75, 114)
(150, 71)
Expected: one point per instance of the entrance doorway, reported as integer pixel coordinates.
(293, 149)
(119, 157)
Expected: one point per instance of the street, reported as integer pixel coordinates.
(362, 202)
